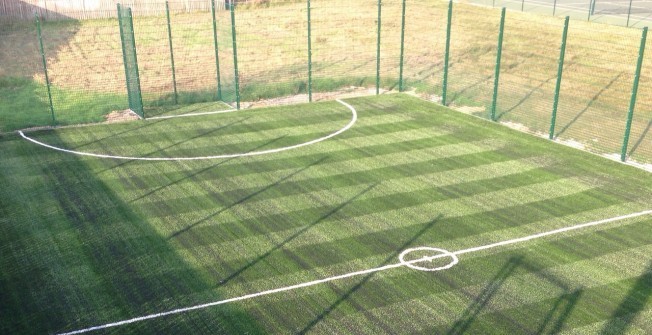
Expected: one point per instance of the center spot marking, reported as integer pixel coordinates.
(436, 254)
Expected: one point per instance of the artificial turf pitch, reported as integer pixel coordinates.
(88, 241)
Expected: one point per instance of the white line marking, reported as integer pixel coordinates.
(191, 114)
(444, 253)
(354, 118)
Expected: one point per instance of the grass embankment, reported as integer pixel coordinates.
(89, 241)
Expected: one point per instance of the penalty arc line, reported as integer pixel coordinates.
(354, 118)
(362, 272)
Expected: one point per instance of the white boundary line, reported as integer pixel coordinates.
(444, 253)
(191, 114)
(354, 118)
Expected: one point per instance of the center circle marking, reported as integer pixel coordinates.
(441, 253)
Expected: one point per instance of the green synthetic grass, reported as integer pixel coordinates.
(89, 241)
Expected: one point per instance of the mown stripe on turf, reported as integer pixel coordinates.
(424, 207)
(157, 208)
(333, 153)
(302, 183)
(361, 223)
(366, 217)
(377, 167)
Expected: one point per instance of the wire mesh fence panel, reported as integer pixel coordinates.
(390, 44)
(529, 71)
(194, 55)
(474, 36)
(155, 62)
(272, 49)
(620, 12)
(344, 45)
(640, 141)
(85, 63)
(425, 47)
(224, 35)
(23, 92)
(596, 86)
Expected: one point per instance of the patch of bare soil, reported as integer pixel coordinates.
(121, 116)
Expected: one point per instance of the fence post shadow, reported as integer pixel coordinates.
(346, 295)
(588, 106)
(478, 304)
(641, 138)
(634, 302)
(289, 239)
(570, 300)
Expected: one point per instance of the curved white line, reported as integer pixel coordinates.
(354, 118)
(361, 272)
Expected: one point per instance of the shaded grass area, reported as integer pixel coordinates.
(25, 104)
(88, 241)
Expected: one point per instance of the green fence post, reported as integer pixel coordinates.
(522, 5)
(378, 49)
(400, 75)
(560, 70)
(629, 12)
(593, 7)
(497, 73)
(45, 68)
(174, 77)
(309, 56)
(217, 55)
(235, 57)
(133, 38)
(124, 55)
(632, 101)
(447, 53)
(554, 7)
(588, 18)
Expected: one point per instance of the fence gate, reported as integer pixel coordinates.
(126, 22)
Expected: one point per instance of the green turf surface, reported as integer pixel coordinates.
(87, 241)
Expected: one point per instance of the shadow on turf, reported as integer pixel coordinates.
(635, 302)
(565, 305)
(245, 198)
(473, 311)
(127, 161)
(127, 281)
(552, 322)
(348, 293)
(192, 175)
(143, 124)
(298, 233)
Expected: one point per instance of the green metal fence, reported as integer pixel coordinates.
(574, 81)
(129, 54)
